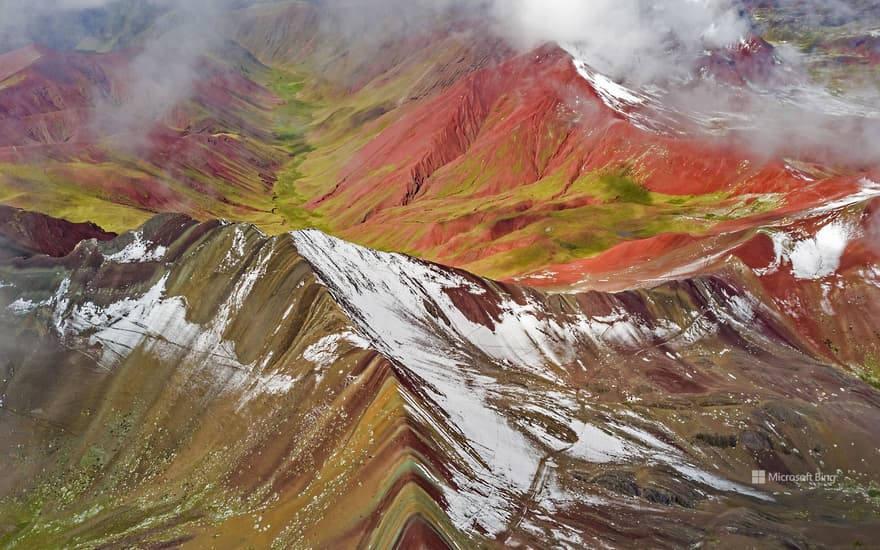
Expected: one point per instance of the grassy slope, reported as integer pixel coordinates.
(317, 130)
(620, 208)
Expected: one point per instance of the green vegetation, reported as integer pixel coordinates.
(292, 122)
(288, 201)
(294, 117)
(550, 221)
(624, 189)
(869, 372)
(49, 190)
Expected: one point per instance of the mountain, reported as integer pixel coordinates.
(479, 156)
(203, 383)
(81, 143)
(326, 274)
(26, 234)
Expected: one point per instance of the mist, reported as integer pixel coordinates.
(656, 48)
(643, 44)
(637, 41)
(165, 41)
(165, 66)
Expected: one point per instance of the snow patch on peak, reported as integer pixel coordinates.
(616, 96)
(138, 250)
(404, 306)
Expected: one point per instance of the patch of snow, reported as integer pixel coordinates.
(872, 275)
(798, 173)
(613, 94)
(701, 476)
(819, 256)
(813, 257)
(157, 324)
(61, 301)
(545, 275)
(597, 446)
(825, 302)
(236, 252)
(616, 97)
(623, 329)
(269, 384)
(23, 307)
(154, 321)
(325, 351)
(138, 250)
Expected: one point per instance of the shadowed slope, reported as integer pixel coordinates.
(24, 234)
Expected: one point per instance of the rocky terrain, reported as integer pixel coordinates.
(296, 274)
(204, 383)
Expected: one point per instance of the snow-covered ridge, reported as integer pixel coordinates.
(155, 321)
(624, 101)
(699, 103)
(402, 306)
(616, 96)
(406, 303)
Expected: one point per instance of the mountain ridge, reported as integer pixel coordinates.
(320, 274)
(358, 328)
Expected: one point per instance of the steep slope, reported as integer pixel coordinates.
(82, 139)
(25, 234)
(439, 141)
(162, 413)
(203, 384)
(498, 173)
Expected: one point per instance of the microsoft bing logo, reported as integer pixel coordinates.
(761, 477)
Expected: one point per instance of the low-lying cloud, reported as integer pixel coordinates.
(646, 44)
(634, 40)
(170, 40)
(641, 43)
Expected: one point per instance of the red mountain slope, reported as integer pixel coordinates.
(510, 151)
(79, 124)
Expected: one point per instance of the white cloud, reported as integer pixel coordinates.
(626, 39)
